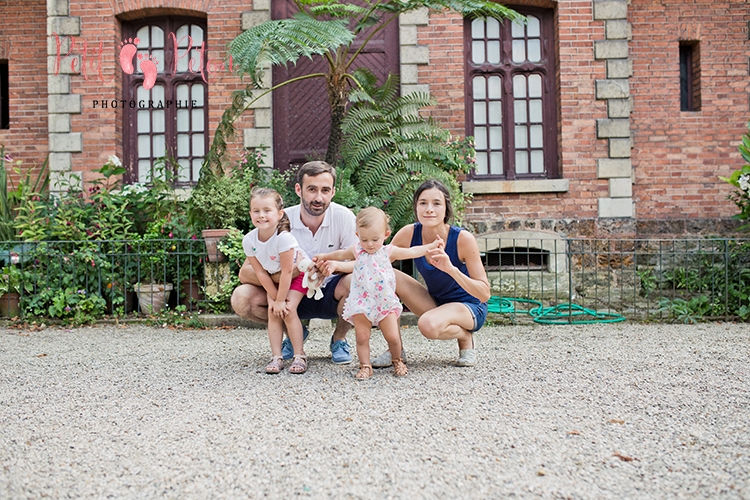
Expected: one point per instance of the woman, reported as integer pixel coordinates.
(454, 303)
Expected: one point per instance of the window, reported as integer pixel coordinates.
(511, 96)
(167, 100)
(690, 77)
(4, 96)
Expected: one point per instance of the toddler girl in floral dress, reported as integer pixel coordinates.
(372, 298)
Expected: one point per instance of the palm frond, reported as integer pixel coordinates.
(285, 41)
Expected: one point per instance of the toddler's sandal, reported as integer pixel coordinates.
(275, 366)
(299, 365)
(365, 371)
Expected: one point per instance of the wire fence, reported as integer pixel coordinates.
(641, 279)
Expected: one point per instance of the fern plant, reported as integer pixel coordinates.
(390, 149)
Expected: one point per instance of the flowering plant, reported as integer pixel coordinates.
(741, 180)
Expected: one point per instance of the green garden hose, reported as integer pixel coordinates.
(562, 314)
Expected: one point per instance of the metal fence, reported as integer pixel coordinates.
(649, 279)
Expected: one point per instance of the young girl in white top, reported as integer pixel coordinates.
(372, 299)
(272, 249)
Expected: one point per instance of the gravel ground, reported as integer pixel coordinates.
(593, 411)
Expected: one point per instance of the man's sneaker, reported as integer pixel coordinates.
(384, 360)
(287, 351)
(340, 354)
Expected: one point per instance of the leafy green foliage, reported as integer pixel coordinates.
(390, 149)
(741, 180)
(11, 195)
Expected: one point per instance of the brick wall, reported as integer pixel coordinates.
(678, 155)
(23, 45)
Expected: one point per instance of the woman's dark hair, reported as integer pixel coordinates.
(433, 184)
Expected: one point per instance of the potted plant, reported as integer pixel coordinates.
(13, 281)
(221, 200)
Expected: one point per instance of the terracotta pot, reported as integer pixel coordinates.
(10, 304)
(212, 237)
(152, 297)
(190, 293)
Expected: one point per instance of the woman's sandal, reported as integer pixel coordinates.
(399, 367)
(275, 366)
(365, 371)
(299, 365)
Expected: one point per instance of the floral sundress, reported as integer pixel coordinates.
(373, 288)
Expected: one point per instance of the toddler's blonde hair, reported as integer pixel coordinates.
(368, 216)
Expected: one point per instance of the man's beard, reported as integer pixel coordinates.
(314, 210)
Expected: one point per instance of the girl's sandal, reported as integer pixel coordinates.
(365, 371)
(399, 367)
(299, 365)
(275, 366)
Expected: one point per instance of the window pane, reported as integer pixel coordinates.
(522, 141)
(493, 28)
(480, 110)
(519, 111)
(533, 27)
(536, 135)
(182, 36)
(535, 111)
(197, 91)
(519, 51)
(537, 162)
(197, 33)
(198, 145)
(496, 112)
(183, 92)
(144, 121)
(183, 145)
(183, 170)
(144, 146)
(197, 163)
(160, 148)
(159, 56)
(517, 29)
(493, 52)
(535, 50)
(535, 85)
(481, 165)
(157, 93)
(496, 164)
(522, 162)
(143, 35)
(477, 86)
(519, 87)
(183, 120)
(144, 171)
(495, 87)
(157, 37)
(158, 117)
(477, 52)
(197, 120)
(496, 138)
(480, 138)
(477, 28)
(143, 94)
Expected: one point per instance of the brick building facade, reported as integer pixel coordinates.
(629, 159)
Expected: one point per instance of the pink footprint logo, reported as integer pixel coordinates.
(148, 64)
(127, 51)
(148, 67)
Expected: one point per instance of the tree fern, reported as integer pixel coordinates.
(389, 148)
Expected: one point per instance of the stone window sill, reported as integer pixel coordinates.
(529, 186)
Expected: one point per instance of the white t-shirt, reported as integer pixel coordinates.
(268, 252)
(337, 231)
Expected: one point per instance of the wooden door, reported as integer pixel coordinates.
(301, 113)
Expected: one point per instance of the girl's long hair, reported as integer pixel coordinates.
(262, 192)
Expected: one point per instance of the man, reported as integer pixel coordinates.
(320, 226)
